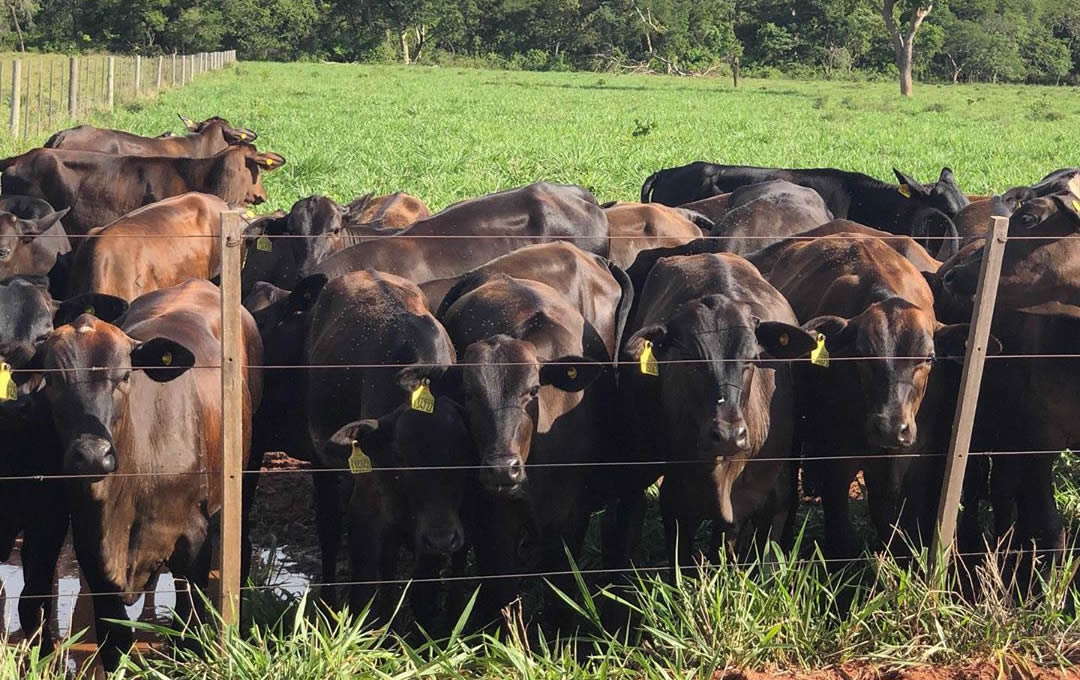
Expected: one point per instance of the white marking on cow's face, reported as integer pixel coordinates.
(84, 329)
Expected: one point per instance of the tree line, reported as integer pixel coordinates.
(1033, 41)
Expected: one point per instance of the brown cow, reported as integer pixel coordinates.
(468, 234)
(99, 188)
(599, 290)
(157, 246)
(719, 403)
(872, 305)
(145, 413)
(387, 213)
(31, 236)
(633, 227)
(206, 139)
(765, 258)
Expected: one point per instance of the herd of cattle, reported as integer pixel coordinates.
(512, 364)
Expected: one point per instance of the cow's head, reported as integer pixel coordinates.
(943, 194)
(420, 447)
(242, 172)
(27, 310)
(16, 231)
(91, 369)
(1041, 262)
(715, 394)
(312, 231)
(899, 343)
(216, 124)
(509, 391)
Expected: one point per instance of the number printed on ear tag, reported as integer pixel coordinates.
(819, 356)
(421, 398)
(359, 463)
(648, 360)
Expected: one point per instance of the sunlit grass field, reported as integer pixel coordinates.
(449, 134)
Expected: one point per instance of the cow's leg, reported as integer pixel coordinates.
(1039, 521)
(1005, 479)
(622, 529)
(886, 503)
(114, 639)
(250, 490)
(328, 528)
(43, 539)
(834, 483)
(497, 553)
(424, 595)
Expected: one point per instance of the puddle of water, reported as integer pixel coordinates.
(66, 589)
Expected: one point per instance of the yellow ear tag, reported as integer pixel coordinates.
(905, 191)
(8, 389)
(421, 398)
(89, 310)
(819, 356)
(249, 214)
(267, 162)
(784, 340)
(264, 244)
(571, 373)
(1076, 206)
(359, 463)
(166, 359)
(648, 361)
(243, 136)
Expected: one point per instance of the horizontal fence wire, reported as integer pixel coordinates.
(312, 468)
(404, 234)
(803, 561)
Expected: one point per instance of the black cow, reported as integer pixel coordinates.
(921, 211)
(720, 403)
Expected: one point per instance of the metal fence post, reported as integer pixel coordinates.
(970, 382)
(111, 81)
(73, 87)
(16, 79)
(232, 402)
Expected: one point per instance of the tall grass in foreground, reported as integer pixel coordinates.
(776, 613)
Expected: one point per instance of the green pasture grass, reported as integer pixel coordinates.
(447, 134)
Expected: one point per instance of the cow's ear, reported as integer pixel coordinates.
(570, 373)
(951, 342)
(188, 123)
(238, 135)
(635, 344)
(306, 292)
(784, 341)
(1072, 207)
(162, 359)
(108, 308)
(913, 186)
(442, 380)
(29, 229)
(374, 438)
(267, 160)
(947, 176)
(838, 332)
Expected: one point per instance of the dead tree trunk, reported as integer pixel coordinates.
(18, 29)
(404, 44)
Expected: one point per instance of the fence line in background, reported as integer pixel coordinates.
(38, 98)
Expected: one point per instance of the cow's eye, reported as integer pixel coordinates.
(126, 378)
(534, 390)
(930, 358)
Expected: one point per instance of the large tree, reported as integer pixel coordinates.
(903, 19)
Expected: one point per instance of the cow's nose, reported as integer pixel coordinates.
(725, 434)
(91, 455)
(4, 253)
(903, 434)
(505, 474)
(442, 542)
(740, 437)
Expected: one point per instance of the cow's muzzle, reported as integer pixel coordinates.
(445, 539)
(90, 455)
(503, 475)
(892, 433)
(5, 253)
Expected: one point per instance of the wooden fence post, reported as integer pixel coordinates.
(16, 79)
(970, 382)
(138, 73)
(160, 68)
(110, 82)
(232, 402)
(172, 81)
(73, 87)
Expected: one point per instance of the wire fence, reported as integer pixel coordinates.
(231, 238)
(39, 92)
